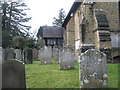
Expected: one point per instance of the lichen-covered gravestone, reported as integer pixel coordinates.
(45, 55)
(35, 54)
(18, 54)
(93, 73)
(66, 59)
(28, 56)
(55, 54)
(13, 74)
(9, 54)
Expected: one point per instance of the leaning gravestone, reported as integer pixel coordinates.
(18, 54)
(45, 55)
(13, 74)
(28, 56)
(93, 69)
(66, 59)
(9, 54)
(35, 54)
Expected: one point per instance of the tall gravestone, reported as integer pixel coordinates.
(35, 54)
(28, 56)
(13, 74)
(55, 54)
(66, 59)
(9, 54)
(45, 55)
(93, 73)
(18, 54)
(1, 54)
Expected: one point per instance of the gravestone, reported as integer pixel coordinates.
(35, 54)
(13, 74)
(9, 54)
(45, 55)
(18, 54)
(93, 73)
(55, 54)
(28, 56)
(1, 54)
(66, 59)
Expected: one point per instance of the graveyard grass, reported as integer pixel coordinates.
(49, 76)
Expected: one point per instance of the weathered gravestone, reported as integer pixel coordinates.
(93, 73)
(1, 54)
(28, 56)
(55, 54)
(66, 59)
(35, 54)
(9, 54)
(18, 54)
(45, 55)
(13, 74)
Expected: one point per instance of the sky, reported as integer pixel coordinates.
(43, 11)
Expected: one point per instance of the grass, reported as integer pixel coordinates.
(49, 76)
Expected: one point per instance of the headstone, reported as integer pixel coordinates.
(55, 54)
(18, 54)
(13, 74)
(9, 54)
(35, 54)
(1, 54)
(66, 59)
(45, 55)
(93, 73)
(28, 56)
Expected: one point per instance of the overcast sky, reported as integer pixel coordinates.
(43, 11)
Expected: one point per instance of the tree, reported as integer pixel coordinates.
(12, 21)
(61, 17)
(30, 42)
(20, 42)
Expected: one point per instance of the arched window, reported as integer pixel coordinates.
(83, 30)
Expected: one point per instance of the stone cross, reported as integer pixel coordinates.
(93, 73)
(13, 74)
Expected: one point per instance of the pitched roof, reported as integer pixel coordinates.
(73, 9)
(52, 32)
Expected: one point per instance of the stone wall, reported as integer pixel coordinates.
(70, 32)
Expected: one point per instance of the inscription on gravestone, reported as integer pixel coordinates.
(93, 73)
(13, 74)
